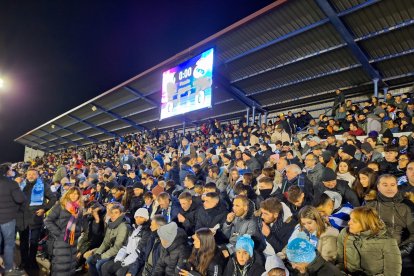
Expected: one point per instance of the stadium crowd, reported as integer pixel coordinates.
(286, 197)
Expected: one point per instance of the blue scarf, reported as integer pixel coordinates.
(38, 191)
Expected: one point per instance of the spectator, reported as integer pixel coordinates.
(206, 258)
(64, 225)
(338, 102)
(318, 232)
(11, 198)
(277, 223)
(245, 261)
(366, 234)
(174, 249)
(343, 173)
(134, 250)
(189, 207)
(115, 236)
(301, 254)
(168, 207)
(39, 199)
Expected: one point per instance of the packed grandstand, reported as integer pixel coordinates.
(294, 189)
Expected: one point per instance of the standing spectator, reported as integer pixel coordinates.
(126, 158)
(338, 102)
(64, 224)
(11, 197)
(39, 199)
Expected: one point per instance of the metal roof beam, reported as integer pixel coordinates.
(101, 129)
(141, 96)
(299, 31)
(77, 133)
(119, 117)
(346, 35)
(47, 141)
(39, 146)
(237, 93)
(61, 138)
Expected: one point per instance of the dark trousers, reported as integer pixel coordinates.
(29, 240)
(8, 232)
(111, 268)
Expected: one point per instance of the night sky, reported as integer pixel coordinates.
(55, 55)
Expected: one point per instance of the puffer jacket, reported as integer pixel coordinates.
(64, 255)
(115, 236)
(396, 216)
(173, 256)
(372, 254)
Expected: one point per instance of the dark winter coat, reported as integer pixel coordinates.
(64, 255)
(190, 216)
(173, 256)
(342, 187)
(26, 215)
(281, 230)
(216, 266)
(321, 267)
(252, 268)
(11, 197)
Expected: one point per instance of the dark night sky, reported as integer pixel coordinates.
(55, 55)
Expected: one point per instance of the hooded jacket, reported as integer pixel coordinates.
(368, 253)
(173, 256)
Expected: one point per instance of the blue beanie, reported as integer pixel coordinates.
(246, 243)
(300, 251)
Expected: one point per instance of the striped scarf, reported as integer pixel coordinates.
(73, 209)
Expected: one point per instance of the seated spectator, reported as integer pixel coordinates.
(184, 169)
(295, 200)
(343, 173)
(132, 178)
(187, 215)
(242, 221)
(317, 231)
(365, 185)
(403, 160)
(206, 258)
(364, 247)
(169, 206)
(277, 223)
(244, 261)
(406, 183)
(189, 183)
(265, 189)
(115, 236)
(390, 162)
(394, 212)
(133, 250)
(117, 193)
(347, 153)
(294, 176)
(174, 249)
(304, 258)
(330, 183)
(313, 169)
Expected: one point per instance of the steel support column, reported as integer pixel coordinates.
(375, 87)
(253, 115)
(247, 116)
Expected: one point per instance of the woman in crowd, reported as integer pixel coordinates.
(244, 262)
(319, 233)
(64, 225)
(365, 185)
(403, 160)
(394, 212)
(343, 173)
(364, 247)
(206, 259)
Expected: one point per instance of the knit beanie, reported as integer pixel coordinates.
(168, 233)
(246, 243)
(349, 149)
(300, 251)
(328, 175)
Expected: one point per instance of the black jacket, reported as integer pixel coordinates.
(348, 195)
(173, 256)
(27, 214)
(320, 267)
(11, 197)
(190, 216)
(280, 232)
(64, 255)
(253, 268)
(215, 268)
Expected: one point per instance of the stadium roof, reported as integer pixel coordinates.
(286, 54)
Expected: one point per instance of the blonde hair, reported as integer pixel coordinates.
(312, 213)
(369, 219)
(65, 198)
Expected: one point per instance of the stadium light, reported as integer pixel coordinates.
(94, 108)
(1, 83)
(52, 126)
